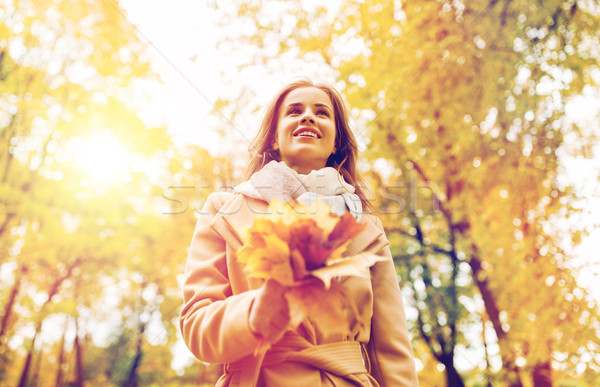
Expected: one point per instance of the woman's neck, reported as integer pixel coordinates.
(304, 168)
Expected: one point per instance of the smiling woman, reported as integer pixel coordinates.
(102, 156)
(247, 320)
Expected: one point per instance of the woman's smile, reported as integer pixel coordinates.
(306, 132)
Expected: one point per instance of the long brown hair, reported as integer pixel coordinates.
(344, 160)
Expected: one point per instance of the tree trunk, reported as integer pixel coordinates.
(9, 160)
(36, 369)
(11, 301)
(8, 217)
(132, 379)
(79, 376)
(26, 367)
(493, 312)
(487, 355)
(542, 375)
(8, 309)
(453, 378)
(61, 357)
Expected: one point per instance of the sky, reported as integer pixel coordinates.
(183, 35)
(178, 31)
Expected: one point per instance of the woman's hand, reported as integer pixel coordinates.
(270, 314)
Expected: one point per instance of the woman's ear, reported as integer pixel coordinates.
(275, 146)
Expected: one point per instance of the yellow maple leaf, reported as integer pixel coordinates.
(268, 257)
(289, 212)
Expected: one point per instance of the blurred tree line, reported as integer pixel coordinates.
(90, 256)
(462, 105)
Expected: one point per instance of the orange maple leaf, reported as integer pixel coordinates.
(344, 230)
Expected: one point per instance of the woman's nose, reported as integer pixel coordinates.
(308, 117)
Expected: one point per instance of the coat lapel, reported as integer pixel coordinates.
(369, 238)
(235, 216)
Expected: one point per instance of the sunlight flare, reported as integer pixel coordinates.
(102, 156)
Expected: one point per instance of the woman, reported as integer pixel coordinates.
(304, 151)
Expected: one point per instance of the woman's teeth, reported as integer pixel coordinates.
(306, 133)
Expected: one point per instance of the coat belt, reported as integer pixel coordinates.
(339, 358)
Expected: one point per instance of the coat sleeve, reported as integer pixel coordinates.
(389, 348)
(213, 322)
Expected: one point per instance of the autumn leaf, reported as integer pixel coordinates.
(268, 257)
(298, 265)
(306, 237)
(344, 230)
(287, 213)
(357, 265)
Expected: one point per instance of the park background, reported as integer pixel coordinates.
(478, 128)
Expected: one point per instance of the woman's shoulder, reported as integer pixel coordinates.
(215, 201)
(227, 202)
(219, 197)
(374, 219)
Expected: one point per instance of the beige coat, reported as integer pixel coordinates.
(218, 297)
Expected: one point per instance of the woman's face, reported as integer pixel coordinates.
(306, 129)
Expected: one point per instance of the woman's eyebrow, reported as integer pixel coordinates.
(322, 105)
(299, 104)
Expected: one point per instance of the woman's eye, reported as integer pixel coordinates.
(294, 111)
(323, 113)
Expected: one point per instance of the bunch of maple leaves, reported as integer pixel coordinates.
(301, 247)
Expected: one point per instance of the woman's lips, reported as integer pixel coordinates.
(306, 132)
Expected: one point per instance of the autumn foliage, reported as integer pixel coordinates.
(302, 248)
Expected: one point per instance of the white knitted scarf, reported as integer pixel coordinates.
(277, 180)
